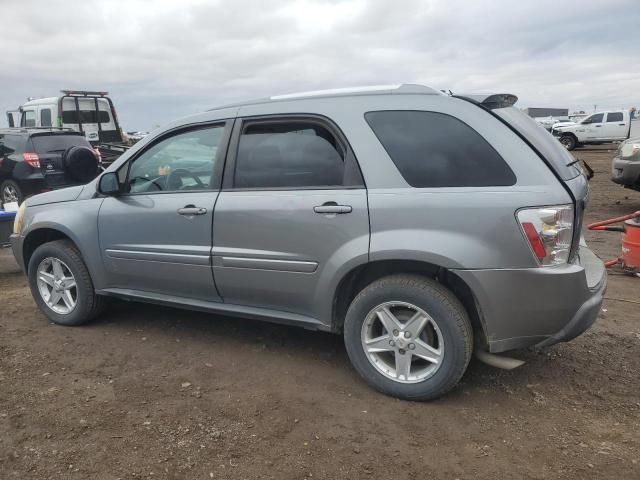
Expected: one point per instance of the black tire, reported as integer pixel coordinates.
(6, 187)
(88, 304)
(447, 312)
(568, 141)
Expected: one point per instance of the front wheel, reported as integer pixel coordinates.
(61, 285)
(568, 142)
(408, 336)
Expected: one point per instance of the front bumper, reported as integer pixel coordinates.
(536, 307)
(626, 171)
(16, 245)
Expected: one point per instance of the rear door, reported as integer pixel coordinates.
(50, 148)
(292, 211)
(156, 237)
(615, 127)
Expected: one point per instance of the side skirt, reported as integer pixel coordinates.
(255, 313)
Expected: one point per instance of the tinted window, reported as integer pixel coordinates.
(436, 150)
(614, 117)
(182, 162)
(548, 147)
(12, 143)
(57, 143)
(597, 118)
(86, 116)
(288, 155)
(45, 117)
(29, 118)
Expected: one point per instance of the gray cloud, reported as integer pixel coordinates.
(163, 59)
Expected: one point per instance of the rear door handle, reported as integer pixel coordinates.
(332, 207)
(190, 210)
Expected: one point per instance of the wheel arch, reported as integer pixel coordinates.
(40, 236)
(356, 279)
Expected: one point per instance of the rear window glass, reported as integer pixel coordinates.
(433, 149)
(86, 116)
(57, 143)
(614, 117)
(550, 148)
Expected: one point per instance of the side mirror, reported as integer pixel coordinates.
(108, 184)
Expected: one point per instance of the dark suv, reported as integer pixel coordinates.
(35, 160)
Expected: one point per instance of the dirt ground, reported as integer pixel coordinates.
(152, 392)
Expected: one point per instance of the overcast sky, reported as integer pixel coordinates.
(165, 59)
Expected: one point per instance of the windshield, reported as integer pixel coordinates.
(550, 148)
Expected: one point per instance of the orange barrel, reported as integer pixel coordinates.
(631, 245)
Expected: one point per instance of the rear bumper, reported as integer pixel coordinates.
(538, 307)
(625, 172)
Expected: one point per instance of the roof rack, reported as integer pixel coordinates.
(84, 93)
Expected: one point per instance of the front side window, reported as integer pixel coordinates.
(45, 117)
(288, 154)
(433, 149)
(614, 117)
(29, 118)
(184, 161)
(596, 118)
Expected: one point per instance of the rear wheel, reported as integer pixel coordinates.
(61, 285)
(408, 336)
(568, 142)
(11, 192)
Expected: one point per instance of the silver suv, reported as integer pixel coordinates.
(420, 225)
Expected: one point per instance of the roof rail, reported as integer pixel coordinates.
(406, 88)
(84, 93)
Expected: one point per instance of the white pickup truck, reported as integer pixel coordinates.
(600, 127)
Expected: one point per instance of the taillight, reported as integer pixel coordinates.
(32, 159)
(549, 231)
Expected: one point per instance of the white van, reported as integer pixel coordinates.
(91, 113)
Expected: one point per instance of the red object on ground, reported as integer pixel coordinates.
(630, 259)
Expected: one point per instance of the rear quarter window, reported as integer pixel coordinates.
(432, 149)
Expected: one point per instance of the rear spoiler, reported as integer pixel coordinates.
(490, 101)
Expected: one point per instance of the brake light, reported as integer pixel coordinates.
(32, 159)
(549, 231)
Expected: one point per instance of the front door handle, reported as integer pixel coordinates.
(190, 210)
(332, 208)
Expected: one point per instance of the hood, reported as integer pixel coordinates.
(56, 196)
(560, 126)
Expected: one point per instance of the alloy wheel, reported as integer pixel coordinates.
(9, 194)
(402, 342)
(57, 285)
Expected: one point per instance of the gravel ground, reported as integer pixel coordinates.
(152, 392)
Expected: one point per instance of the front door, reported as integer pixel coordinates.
(292, 213)
(156, 237)
(593, 126)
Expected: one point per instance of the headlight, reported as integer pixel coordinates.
(549, 231)
(629, 149)
(19, 220)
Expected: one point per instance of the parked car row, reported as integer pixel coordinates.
(420, 226)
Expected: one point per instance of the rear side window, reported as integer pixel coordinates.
(45, 117)
(57, 143)
(614, 117)
(433, 149)
(12, 143)
(294, 154)
(29, 118)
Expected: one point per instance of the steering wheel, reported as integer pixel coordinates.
(174, 179)
(149, 182)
